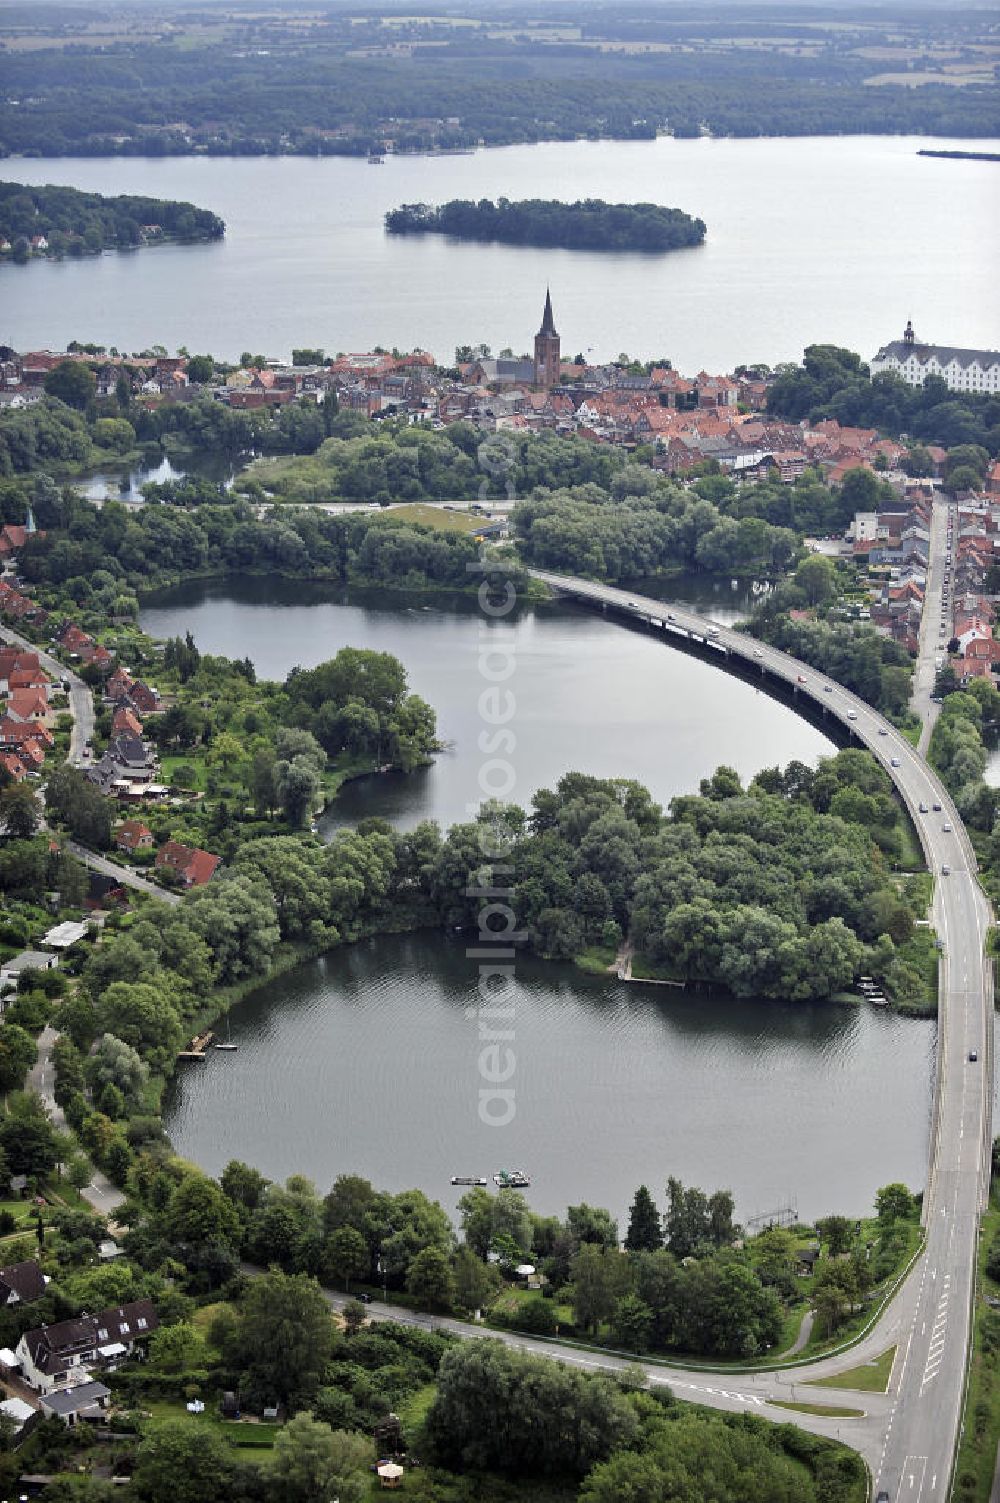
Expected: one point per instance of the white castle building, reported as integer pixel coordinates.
(962, 370)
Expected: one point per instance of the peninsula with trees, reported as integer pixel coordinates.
(588, 224)
(54, 221)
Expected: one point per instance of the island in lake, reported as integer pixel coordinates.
(589, 224)
(963, 156)
(56, 221)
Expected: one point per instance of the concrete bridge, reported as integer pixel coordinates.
(910, 1442)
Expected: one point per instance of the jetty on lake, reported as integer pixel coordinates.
(198, 1046)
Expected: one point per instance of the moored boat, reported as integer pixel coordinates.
(511, 1179)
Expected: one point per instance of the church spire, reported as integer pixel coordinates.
(547, 349)
(548, 325)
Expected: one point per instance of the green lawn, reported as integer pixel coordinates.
(981, 1430)
(436, 517)
(872, 1377)
(246, 1434)
(194, 760)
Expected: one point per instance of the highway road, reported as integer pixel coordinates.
(910, 1442)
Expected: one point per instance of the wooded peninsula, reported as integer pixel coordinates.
(588, 224)
(54, 221)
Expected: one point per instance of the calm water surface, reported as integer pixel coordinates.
(366, 1060)
(820, 239)
(590, 695)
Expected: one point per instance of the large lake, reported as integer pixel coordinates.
(818, 239)
(366, 1060)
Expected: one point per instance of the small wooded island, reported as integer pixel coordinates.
(589, 224)
(54, 221)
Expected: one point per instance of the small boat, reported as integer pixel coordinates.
(229, 1039)
(511, 1179)
(467, 1179)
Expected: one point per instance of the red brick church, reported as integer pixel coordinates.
(547, 348)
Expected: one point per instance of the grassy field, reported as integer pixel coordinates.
(872, 1377)
(980, 1435)
(436, 516)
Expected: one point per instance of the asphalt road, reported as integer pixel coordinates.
(101, 1193)
(121, 874)
(910, 1441)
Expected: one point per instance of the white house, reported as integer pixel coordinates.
(59, 1356)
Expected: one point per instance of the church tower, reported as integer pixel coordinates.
(547, 349)
(908, 334)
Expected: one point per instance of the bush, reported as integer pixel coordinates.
(535, 1314)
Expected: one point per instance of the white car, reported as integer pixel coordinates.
(852, 714)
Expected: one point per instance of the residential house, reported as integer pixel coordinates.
(144, 699)
(12, 970)
(125, 722)
(57, 1356)
(21, 1283)
(193, 866)
(134, 836)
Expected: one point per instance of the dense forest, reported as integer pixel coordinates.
(175, 82)
(588, 224)
(75, 223)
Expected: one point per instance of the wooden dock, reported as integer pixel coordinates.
(198, 1046)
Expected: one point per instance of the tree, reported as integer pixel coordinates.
(594, 1289)
(20, 812)
(476, 1283)
(311, 1462)
(284, 1338)
(346, 1255)
(817, 576)
(72, 798)
(17, 1055)
(179, 1348)
(564, 1420)
(837, 1232)
(117, 1064)
(180, 1464)
(200, 369)
(72, 382)
(835, 1292)
(355, 1315)
(200, 1213)
(632, 1323)
(430, 1279)
(893, 1203)
(28, 1139)
(644, 1232)
(243, 1185)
